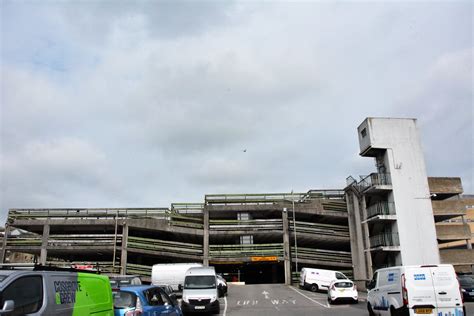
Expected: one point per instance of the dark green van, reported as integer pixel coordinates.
(25, 292)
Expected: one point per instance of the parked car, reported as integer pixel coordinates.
(341, 291)
(319, 279)
(117, 281)
(467, 286)
(413, 290)
(144, 300)
(221, 285)
(61, 292)
(169, 290)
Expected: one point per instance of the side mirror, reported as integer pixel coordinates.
(180, 287)
(8, 307)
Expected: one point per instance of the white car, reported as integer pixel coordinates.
(342, 290)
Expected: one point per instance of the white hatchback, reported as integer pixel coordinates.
(342, 290)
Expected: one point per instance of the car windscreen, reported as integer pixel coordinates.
(343, 284)
(466, 282)
(124, 299)
(200, 282)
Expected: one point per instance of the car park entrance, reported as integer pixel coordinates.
(252, 272)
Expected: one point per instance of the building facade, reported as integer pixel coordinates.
(255, 238)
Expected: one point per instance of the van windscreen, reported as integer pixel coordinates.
(200, 282)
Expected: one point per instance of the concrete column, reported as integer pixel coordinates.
(123, 249)
(44, 244)
(359, 263)
(366, 238)
(468, 241)
(286, 246)
(205, 245)
(4, 245)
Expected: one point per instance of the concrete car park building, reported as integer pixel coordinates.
(249, 237)
(396, 215)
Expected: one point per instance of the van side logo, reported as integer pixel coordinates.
(420, 277)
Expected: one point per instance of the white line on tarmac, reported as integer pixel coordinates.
(225, 305)
(309, 298)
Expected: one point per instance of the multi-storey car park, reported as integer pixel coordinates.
(396, 215)
(249, 237)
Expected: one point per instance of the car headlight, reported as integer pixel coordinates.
(185, 299)
(463, 290)
(213, 298)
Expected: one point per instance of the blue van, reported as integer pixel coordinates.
(143, 300)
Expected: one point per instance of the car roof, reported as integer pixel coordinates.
(138, 288)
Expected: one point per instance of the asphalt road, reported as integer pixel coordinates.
(279, 299)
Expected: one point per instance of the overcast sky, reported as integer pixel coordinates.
(142, 104)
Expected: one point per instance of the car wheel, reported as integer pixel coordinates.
(369, 308)
(330, 301)
(356, 301)
(314, 288)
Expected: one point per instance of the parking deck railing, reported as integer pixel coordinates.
(236, 251)
(385, 240)
(381, 208)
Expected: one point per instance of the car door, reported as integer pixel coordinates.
(158, 303)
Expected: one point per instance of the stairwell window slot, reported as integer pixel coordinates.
(363, 133)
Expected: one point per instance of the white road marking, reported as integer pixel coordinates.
(309, 298)
(225, 306)
(266, 294)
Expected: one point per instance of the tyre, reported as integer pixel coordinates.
(392, 311)
(369, 308)
(314, 288)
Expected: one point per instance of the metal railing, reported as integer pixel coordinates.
(381, 208)
(254, 224)
(235, 251)
(164, 246)
(329, 256)
(89, 213)
(270, 198)
(374, 179)
(387, 239)
(320, 229)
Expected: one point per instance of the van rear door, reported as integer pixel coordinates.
(446, 288)
(420, 290)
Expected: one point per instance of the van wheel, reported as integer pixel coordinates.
(314, 288)
(369, 308)
(393, 312)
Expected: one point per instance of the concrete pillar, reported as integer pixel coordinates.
(468, 241)
(4, 245)
(44, 244)
(123, 249)
(366, 239)
(205, 245)
(286, 246)
(359, 263)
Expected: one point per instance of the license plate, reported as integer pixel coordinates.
(472, 293)
(199, 307)
(423, 310)
(341, 290)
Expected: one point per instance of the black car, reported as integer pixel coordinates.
(467, 286)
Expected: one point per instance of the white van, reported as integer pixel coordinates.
(319, 279)
(171, 274)
(414, 290)
(200, 292)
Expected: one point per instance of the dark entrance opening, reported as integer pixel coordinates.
(252, 273)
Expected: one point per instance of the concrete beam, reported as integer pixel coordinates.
(3, 252)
